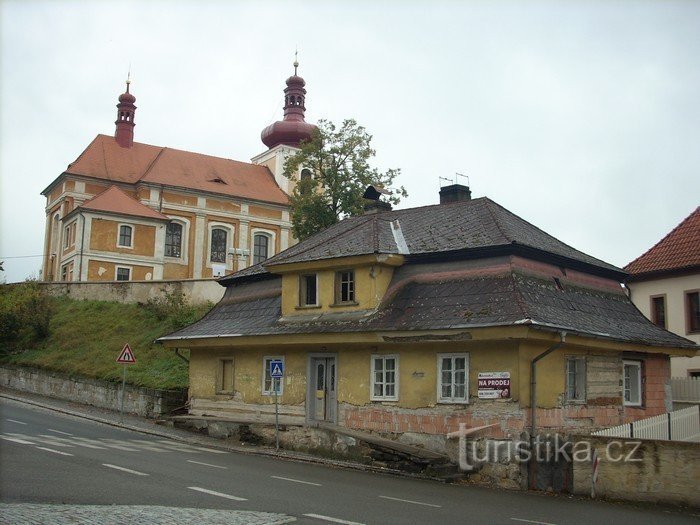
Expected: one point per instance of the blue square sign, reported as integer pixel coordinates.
(276, 368)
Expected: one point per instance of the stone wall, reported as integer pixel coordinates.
(645, 470)
(197, 291)
(145, 402)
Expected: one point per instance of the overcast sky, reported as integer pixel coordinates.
(581, 117)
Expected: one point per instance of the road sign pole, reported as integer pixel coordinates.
(121, 404)
(277, 416)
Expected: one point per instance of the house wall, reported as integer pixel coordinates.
(673, 288)
(417, 409)
(371, 283)
(104, 234)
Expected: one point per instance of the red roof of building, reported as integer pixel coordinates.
(105, 159)
(114, 200)
(679, 250)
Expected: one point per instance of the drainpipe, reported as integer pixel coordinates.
(177, 353)
(533, 380)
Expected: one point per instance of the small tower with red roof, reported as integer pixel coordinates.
(124, 133)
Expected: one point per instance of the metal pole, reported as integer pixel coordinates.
(277, 416)
(121, 405)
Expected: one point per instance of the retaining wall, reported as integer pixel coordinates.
(647, 470)
(197, 291)
(146, 402)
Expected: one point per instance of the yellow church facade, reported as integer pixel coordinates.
(125, 210)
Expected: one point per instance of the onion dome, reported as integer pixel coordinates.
(292, 129)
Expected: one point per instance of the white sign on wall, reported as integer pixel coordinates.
(493, 385)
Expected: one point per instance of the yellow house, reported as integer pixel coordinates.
(213, 216)
(417, 320)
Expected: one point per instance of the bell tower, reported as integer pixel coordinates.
(124, 133)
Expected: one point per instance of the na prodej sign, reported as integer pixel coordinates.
(494, 385)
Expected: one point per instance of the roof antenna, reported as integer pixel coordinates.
(463, 176)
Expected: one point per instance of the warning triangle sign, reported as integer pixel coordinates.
(127, 356)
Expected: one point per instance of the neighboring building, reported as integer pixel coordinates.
(417, 320)
(130, 211)
(664, 284)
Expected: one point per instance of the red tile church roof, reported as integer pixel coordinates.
(104, 159)
(679, 250)
(114, 200)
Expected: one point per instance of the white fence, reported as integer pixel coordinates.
(680, 425)
(685, 389)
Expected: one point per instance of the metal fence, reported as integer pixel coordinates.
(685, 389)
(680, 425)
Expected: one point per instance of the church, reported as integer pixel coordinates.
(125, 210)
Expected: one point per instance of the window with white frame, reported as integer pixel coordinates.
(632, 383)
(126, 236)
(385, 378)
(123, 273)
(261, 247)
(576, 379)
(267, 386)
(453, 378)
(345, 287)
(225, 376)
(173, 239)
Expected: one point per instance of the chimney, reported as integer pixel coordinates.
(375, 205)
(455, 193)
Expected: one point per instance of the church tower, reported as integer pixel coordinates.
(284, 136)
(124, 134)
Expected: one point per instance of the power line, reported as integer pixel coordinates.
(22, 256)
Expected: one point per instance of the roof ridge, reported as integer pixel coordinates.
(495, 219)
(153, 162)
(690, 216)
(319, 242)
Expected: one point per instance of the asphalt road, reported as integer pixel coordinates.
(49, 457)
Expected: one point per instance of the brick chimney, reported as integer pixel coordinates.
(455, 193)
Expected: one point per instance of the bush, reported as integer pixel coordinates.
(25, 314)
(175, 308)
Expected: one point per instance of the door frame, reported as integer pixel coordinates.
(310, 386)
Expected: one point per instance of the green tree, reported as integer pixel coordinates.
(338, 161)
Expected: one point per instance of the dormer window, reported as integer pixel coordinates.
(308, 290)
(345, 287)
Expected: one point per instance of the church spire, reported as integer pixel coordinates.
(292, 130)
(124, 134)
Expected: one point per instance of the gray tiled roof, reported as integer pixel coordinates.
(503, 300)
(471, 225)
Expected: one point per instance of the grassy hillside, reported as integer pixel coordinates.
(86, 337)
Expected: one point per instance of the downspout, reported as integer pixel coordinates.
(177, 353)
(82, 243)
(533, 380)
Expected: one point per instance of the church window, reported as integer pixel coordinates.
(260, 248)
(173, 240)
(218, 245)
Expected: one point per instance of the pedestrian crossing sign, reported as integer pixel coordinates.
(276, 368)
(127, 356)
